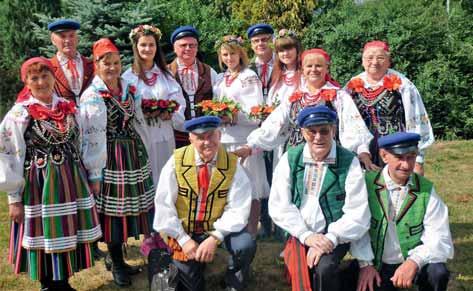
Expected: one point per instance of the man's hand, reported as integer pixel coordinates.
(95, 187)
(165, 115)
(16, 212)
(190, 248)
(366, 278)
(317, 240)
(419, 169)
(404, 275)
(365, 158)
(206, 250)
(313, 257)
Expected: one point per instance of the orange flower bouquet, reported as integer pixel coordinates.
(262, 111)
(152, 109)
(224, 108)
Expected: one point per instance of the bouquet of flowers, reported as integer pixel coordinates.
(153, 108)
(262, 111)
(224, 108)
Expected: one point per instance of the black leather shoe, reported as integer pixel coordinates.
(98, 253)
(121, 277)
(132, 270)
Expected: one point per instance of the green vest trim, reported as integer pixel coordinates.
(332, 193)
(409, 221)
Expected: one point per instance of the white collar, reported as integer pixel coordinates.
(390, 184)
(200, 162)
(331, 158)
(62, 59)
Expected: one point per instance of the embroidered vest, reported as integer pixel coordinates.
(188, 188)
(332, 193)
(409, 221)
(204, 86)
(382, 115)
(61, 86)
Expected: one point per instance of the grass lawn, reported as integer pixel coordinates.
(449, 165)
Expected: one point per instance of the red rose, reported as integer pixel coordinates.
(132, 89)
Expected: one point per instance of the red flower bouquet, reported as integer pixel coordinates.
(153, 108)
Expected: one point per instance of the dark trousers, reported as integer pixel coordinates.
(242, 249)
(432, 277)
(326, 275)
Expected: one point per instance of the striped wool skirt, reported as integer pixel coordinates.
(61, 221)
(126, 202)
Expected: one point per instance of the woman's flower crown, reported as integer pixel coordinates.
(146, 29)
(229, 39)
(286, 33)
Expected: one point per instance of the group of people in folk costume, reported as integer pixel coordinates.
(84, 157)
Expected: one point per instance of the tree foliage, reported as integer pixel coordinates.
(295, 14)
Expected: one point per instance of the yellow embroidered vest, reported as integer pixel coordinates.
(188, 187)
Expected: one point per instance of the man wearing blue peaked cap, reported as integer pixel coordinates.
(409, 240)
(203, 198)
(195, 77)
(73, 72)
(319, 197)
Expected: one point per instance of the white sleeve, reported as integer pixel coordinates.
(213, 76)
(417, 119)
(361, 249)
(175, 93)
(273, 131)
(12, 152)
(237, 210)
(353, 133)
(281, 209)
(166, 219)
(436, 239)
(252, 94)
(93, 119)
(355, 220)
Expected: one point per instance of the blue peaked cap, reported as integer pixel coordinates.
(400, 143)
(202, 124)
(316, 115)
(63, 24)
(260, 28)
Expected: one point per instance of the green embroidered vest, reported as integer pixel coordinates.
(188, 187)
(409, 220)
(332, 192)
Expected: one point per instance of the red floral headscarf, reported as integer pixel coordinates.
(377, 43)
(25, 92)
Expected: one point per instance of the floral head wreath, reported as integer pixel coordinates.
(286, 33)
(229, 39)
(146, 29)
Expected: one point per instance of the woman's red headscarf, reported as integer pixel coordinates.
(103, 46)
(25, 92)
(377, 43)
(326, 56)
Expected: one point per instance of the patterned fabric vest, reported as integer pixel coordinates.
(332, 193)
(295, 134)
(409, 221)
(204, 86)
(119, 117)
(188, 188)
(382, 115)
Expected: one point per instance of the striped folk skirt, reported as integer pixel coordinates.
(60, 222)
(126, 202)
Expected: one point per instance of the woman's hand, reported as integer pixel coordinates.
(95, 187)
(17, 212)
(365, 158)
(165, 115)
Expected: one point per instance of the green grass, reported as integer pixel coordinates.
(449, 165)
